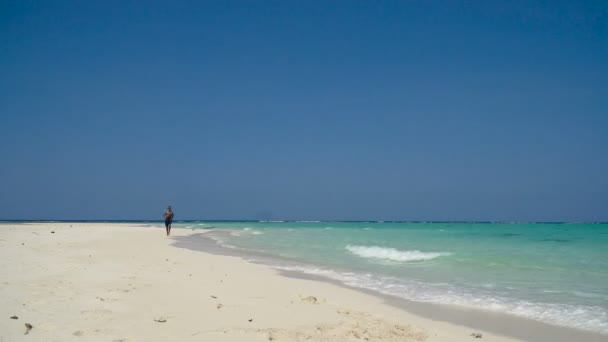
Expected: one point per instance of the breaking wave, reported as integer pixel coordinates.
(393, 254)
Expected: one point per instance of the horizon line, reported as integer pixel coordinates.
(298, 221)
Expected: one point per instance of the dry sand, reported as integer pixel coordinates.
(119, 282)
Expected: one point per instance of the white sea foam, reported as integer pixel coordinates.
(220, 242)
(247, 230)
(393, 254)
(586, 317)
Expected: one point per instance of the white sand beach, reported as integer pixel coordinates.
(120, 282)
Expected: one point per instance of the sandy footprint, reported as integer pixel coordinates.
(311, 300)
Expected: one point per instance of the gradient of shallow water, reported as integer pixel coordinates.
(555, 273)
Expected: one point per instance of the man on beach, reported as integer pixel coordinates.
(168, 215)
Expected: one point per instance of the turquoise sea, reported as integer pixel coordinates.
(551, 272)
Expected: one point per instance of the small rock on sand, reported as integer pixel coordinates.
(14, 317)
(28, 327)
(160, 319)
(477, 335)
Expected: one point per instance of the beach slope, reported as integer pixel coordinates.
(121, 282)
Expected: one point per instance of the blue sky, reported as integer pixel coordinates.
(413, 110)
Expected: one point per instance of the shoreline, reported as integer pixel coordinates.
(476, 319)
(118, 282)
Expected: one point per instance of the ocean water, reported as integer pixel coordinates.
(554, 273)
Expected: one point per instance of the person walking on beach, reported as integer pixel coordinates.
(168, 215)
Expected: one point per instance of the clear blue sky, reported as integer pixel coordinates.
(414, 110)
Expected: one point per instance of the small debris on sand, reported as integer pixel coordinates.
(477, 335)
(28, 327)
(310, 299)
(251, 320)
(160, 319)
(14, 317)
(78, 333)
(212, 296)
(53, 232)
(219, 306)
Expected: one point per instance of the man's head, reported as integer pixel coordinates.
(169, 208)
